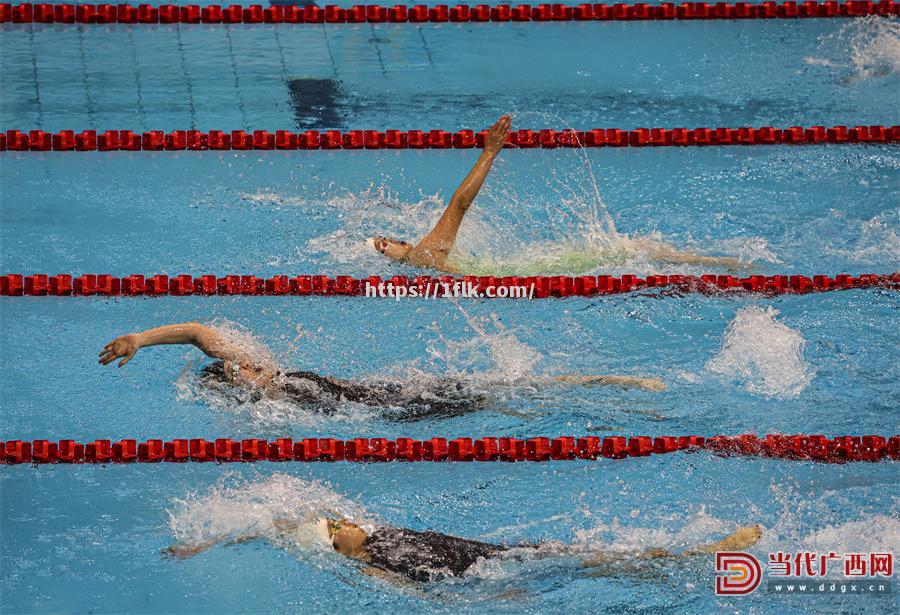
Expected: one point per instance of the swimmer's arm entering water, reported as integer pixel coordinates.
(209, 340)
(182, 551)
(185, 551)
(626, 382)
(433, 249)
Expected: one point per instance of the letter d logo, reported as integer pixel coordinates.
(738, 573)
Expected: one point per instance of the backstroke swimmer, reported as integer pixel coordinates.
(439, 398)
(434, 250)
(402, 555)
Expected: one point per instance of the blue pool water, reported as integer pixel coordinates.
(87, 539)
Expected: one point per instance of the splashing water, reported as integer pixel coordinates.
(764, 354)
(878, 533)
(235, 507)
(868, 48)
(510, 360)
(262, 410)
(878, 240)
(466, 374)
(265, 413)
(699, 528)
(571, 233)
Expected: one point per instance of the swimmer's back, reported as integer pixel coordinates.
(425, 556)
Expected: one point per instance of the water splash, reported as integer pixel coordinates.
(763, 354)
(494, 355)
(878, 241)
(698, 528)
(867, 48)
(235, 507)
(266, 413)
(457, 375)
(746, 249)
(262, 410)
(878, 533)
(513, 229)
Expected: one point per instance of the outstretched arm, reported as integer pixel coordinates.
(618, 563)
(626, 382)
(676, 257)
(186, 551)
(207, 339)
(183, 551)
(433, 249)
(240, 366)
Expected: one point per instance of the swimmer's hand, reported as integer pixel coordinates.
(496, 136)
(125, 346)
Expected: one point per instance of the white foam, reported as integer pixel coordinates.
(763, 354)
(255, 405)
(867, 48)
(878, 533)
(878, 241)
(698, 528)
(492, 355)
(235, 507)
(512, 229)
(746, 249)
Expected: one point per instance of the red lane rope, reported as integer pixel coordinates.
(254, 14)
(535, 287)
(158, 140)
(802, 447)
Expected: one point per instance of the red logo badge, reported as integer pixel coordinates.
(739, 574)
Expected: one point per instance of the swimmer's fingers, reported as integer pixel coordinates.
(109, 356)
(127, 358)
(501, 126)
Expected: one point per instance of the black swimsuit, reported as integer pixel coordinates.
(442, 398)
(425, 556)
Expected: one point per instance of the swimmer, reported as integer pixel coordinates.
(404, 555)
(439, 398)
(433, 250)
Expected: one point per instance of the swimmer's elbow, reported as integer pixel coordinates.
(206, 339)
(461, 200)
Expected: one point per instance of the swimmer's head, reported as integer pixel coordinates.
(394, 249)
(219, 372)
(346, 537)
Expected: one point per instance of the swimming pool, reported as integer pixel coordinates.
(88, 537)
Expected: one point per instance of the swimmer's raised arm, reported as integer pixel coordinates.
(433, 249)
(207, 339)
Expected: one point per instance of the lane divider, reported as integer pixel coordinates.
(218, 140)
(799, 447)
(537, 287)
(442, 13)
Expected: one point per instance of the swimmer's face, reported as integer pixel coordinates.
(347, 538)
(392, 248)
